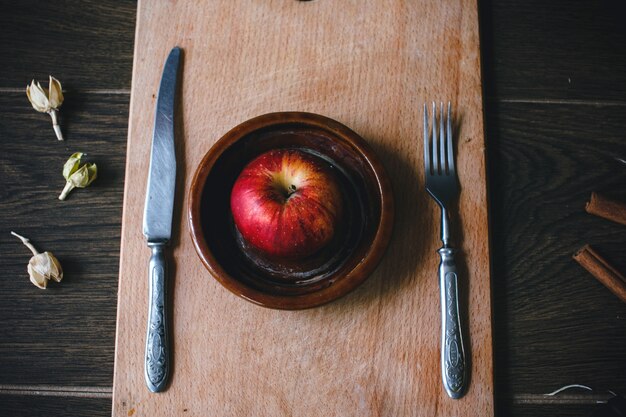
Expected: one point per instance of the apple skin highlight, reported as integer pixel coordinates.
(287, 204)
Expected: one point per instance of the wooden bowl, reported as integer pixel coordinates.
(358, 245)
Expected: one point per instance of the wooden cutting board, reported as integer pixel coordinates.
(370, 65)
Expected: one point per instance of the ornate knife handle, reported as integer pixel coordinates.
(453, 364)
(157, 339)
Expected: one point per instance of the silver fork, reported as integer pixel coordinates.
(442, 184)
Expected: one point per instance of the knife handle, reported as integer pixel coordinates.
(453, 363)
(157, 364)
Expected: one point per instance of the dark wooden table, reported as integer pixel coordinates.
(555, 95)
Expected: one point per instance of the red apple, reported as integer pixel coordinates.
(286, 203)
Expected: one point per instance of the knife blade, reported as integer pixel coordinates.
(157, 225)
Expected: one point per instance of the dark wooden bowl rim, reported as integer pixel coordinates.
(342, 284)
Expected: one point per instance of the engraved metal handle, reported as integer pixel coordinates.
(157, 364)
(453, 364)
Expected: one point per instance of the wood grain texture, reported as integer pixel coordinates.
(370, 67)
(86, 44)
(554, 323)
(546, 410)
(89, 46)
(34, 406)
(65, 333)
(557, 50)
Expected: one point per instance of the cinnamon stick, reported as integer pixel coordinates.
(604, 207)
(602, 271)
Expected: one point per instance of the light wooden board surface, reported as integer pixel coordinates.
(370, 65)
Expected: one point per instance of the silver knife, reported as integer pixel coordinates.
(157, 225)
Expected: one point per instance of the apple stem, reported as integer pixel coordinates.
(291, 190)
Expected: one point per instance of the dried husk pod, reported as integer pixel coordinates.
(42, 266)
(77, 175)
(47, 100)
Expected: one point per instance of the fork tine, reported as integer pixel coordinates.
(427, 166)
(442, 142)
(451, 167)
(435, 155)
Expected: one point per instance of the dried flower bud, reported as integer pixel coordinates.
(76, 175)
(47, 100)
(42, 266)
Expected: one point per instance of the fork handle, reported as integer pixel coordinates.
(453, 364)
